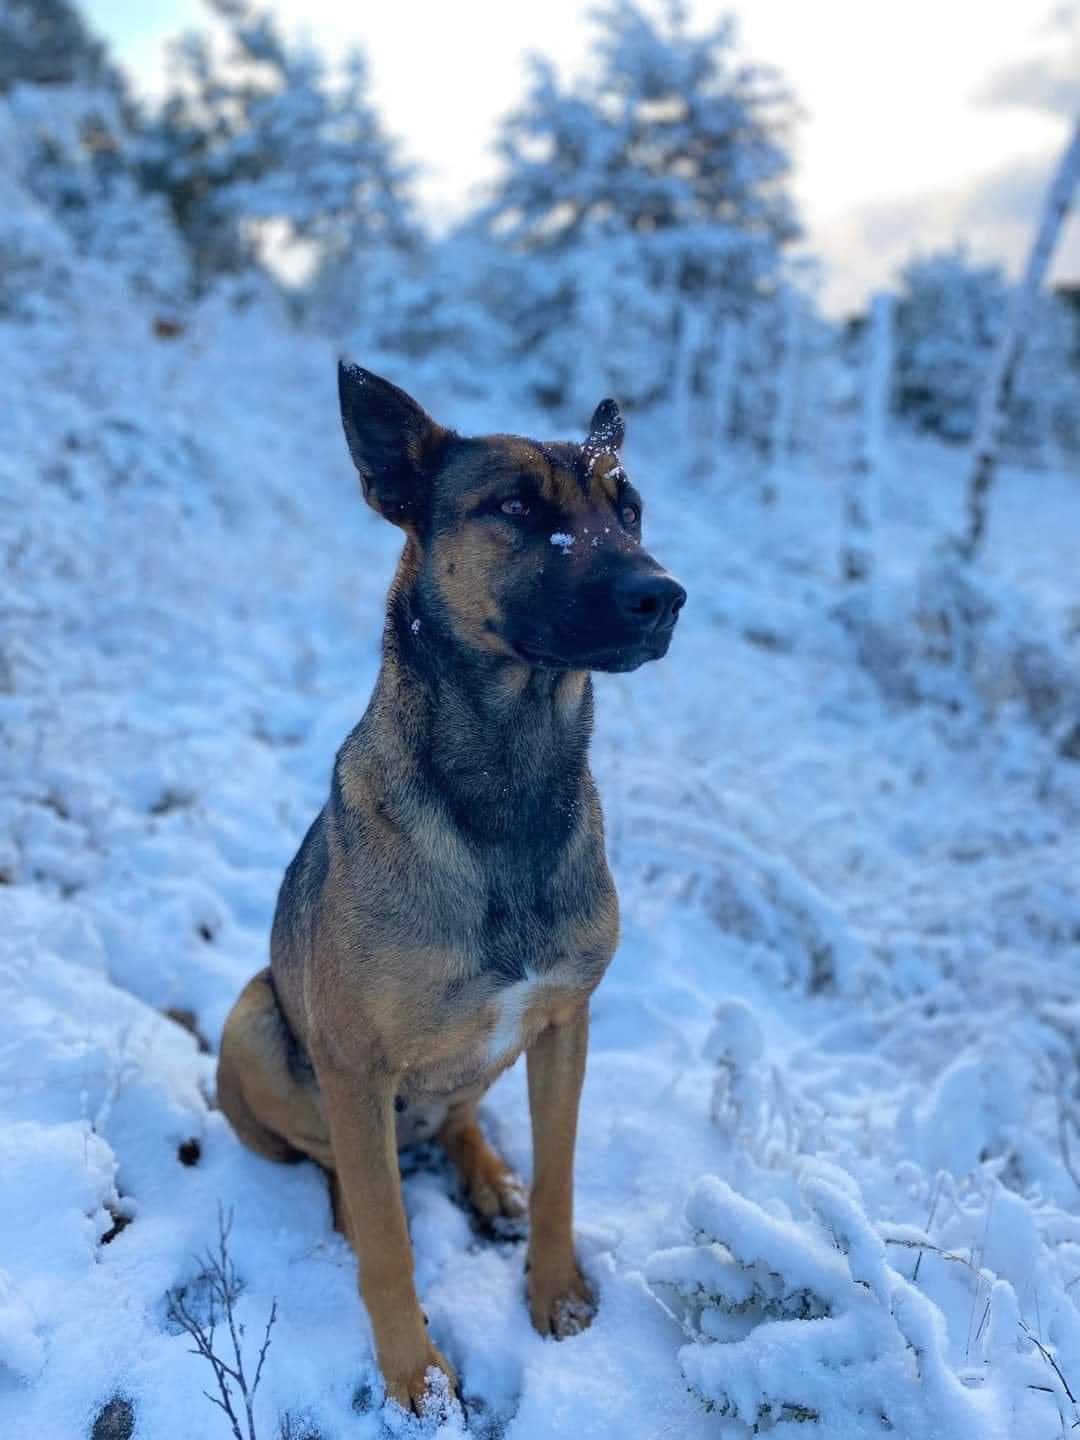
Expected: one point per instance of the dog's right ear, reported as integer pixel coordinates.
(392, 440)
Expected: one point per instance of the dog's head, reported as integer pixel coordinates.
(528, 550)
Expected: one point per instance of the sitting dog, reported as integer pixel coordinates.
(451, 905)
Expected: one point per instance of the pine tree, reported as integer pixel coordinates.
(654, 191)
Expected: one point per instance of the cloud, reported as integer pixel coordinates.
(994, 217)
(1047, 81)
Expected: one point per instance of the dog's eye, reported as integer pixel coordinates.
(630, 514)
(513, 507)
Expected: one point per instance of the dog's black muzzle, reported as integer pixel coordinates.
(614, 623)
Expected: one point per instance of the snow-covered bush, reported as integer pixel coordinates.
(802, 1321)
(950, 317)
(36, 255)
(69, 149)
(71, 199)
(438, 307)
(956, 638)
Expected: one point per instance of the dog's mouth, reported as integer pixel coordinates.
(626, 655)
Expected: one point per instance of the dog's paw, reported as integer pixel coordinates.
(495, 1192)
(561, 1302)
(426, 1387)
(492, 1189)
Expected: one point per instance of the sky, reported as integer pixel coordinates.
(923, 122)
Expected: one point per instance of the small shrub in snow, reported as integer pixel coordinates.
(735, 1044)
(221, 1286)
(752, 1104)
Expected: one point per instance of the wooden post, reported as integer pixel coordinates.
(864, 474)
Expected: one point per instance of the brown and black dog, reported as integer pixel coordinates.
(451, 906)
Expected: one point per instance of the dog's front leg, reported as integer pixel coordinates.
(360, 1114)
(560, 1302)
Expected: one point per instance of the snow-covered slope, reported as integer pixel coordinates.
(876, 897)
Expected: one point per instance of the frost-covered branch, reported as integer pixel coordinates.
(804, 1320)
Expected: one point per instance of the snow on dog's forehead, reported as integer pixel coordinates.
(560, 471)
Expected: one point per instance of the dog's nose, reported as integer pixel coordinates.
(653, 601)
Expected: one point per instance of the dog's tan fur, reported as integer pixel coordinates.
(451, 906)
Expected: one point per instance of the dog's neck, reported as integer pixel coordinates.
(504, 744)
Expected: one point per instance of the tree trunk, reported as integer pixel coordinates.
(998, 388)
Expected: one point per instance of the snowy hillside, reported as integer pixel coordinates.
(828, 1172)
(877, 899)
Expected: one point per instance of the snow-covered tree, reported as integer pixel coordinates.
(46, 42)
(653, 193)
(263, 148)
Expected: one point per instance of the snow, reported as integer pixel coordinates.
(845, 993)
(827, 1173)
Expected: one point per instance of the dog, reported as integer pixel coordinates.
(451, 906)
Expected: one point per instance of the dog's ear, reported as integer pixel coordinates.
(606, 431)
(393, 442)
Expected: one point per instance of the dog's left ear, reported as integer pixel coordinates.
(606, 431)
(393, 442)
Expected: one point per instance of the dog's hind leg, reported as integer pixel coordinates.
(492, 1187)
(273, 1107)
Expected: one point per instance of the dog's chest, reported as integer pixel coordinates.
(481, 1027)
(519, 1011)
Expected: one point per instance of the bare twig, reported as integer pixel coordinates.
(977, 1268)
(935, 1197)
(221, 1280)
(1045, 1353)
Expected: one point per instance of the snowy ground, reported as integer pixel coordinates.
(881, 897)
